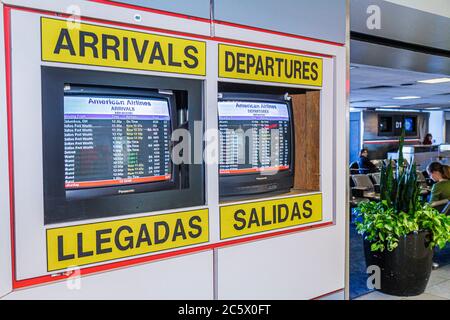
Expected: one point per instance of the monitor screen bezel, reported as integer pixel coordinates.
(262, 99)
(190, 191)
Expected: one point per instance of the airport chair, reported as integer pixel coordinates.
(356, 196)
(354, 167)
(363, 181)
(446, 209)
(440, 205)
(364, 187)
(376, 177)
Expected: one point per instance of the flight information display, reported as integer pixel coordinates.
(110, 141)
(254, 137)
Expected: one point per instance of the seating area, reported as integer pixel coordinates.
(366, 186)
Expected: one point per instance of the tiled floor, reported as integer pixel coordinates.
(438, 288)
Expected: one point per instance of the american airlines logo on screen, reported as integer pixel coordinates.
(74, 105)
(119, 102)
(251, 110)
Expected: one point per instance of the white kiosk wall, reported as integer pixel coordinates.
(298, 263)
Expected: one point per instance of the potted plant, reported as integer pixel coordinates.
(400, 231)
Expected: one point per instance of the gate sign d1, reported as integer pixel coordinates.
(119, 48)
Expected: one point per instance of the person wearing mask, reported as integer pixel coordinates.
(428, 140)
(440, 174)
(365, 165)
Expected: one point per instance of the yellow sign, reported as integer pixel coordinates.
(249, 218)
(262, 65)
(97, 242)
(111, 47)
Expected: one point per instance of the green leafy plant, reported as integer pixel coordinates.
(400, 210)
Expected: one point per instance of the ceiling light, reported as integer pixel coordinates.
(434, 108)
(406, 97)
(434, 81)
(390, 107)
(397, 109)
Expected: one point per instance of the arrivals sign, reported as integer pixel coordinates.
(256, 217)
(119, 48)
(237, 62)
(104, 241)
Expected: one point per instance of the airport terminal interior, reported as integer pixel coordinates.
(419, 101)
(225, 150)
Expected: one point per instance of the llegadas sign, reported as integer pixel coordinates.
(105, 241)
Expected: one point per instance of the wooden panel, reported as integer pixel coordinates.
(306, 114)
(299, 120)
(313, 140)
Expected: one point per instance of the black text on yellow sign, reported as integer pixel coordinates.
(111, 47)
(249, 218)
(97, 242)
(262, 65)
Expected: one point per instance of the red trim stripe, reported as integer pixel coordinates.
(121, 264)
(7, 30)
(113, 182)
(327, 294)
(252, 170)
(388, 141)
(120, 24)
(278, 33)
(178, 33)
(158, 11)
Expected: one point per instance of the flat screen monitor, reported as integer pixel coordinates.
(107, 144)
(385, 125)
(410, 125)
(116, 143)
(256, 144)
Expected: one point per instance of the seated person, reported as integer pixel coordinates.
(428, 140)
(439, 174)
(365, 165)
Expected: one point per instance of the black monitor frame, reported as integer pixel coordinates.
(254, 185)
(388, 132)
(86, 193)
(189, 190)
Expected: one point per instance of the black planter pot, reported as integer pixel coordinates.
(406, 270)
